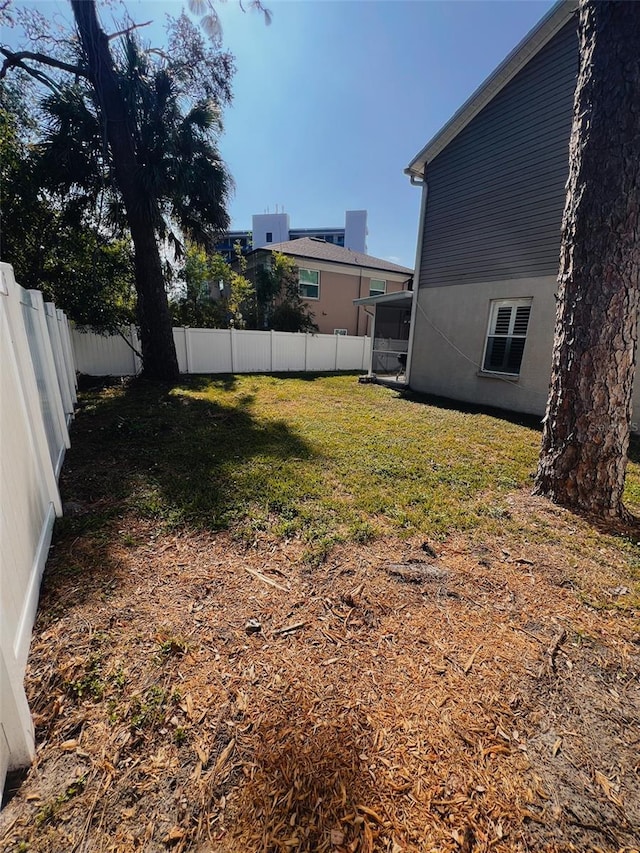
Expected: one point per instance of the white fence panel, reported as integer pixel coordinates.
(104, 355)
(72, 380)
(288, 351)
(321, 352)
(350, 352)
(33, 437)
(251, 351)
(58, 352)
(210, 350)
(227, 351)
(49, 398)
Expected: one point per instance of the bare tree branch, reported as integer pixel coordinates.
(38, 75)
(128, 30)
(17, 60)
(129, 344)
(158, 52)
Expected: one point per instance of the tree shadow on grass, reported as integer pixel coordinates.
(312, 377)
(518, 418)
(152, 451)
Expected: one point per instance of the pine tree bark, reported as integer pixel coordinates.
(156, 335)
(586, 430)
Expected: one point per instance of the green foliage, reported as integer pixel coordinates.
(242, 294)
(64, 226)
(193, 305)
(280, 306)
(211, 294)
(175, 122)
(149, 709)
(50, 810)
(51, 246)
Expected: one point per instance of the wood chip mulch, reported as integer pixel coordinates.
(194, 694)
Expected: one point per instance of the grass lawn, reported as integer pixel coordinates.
(321, 458)
(437, 661)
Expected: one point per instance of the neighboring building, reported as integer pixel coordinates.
(332, 277)
(493, 187)
(268, 228)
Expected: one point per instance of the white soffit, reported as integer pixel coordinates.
(531, 44)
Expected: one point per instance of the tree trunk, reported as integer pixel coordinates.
(158, 348)
(586, 431)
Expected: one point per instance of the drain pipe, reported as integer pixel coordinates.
(416, 181)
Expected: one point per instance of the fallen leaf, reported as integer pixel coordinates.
(224, 755)
(202, 753)
(175, 833)
(608, 787)
(370, 813)
(469, 663)
(337, 837)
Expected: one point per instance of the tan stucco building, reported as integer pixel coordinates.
(332, 277)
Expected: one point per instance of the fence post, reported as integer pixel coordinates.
(335, 361)
(232, 334)
(306, 347)
(271, 351)
(187, 347)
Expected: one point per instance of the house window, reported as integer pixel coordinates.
(340, 332)
(508, 324)
(309, 284)
(377, 286)
(269, 236)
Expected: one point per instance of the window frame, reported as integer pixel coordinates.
(382, 281)
(494, 308)
(302, 284)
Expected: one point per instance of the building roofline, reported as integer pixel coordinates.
(530, 45)
(396, 269)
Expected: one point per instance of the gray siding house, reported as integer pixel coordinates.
(493, 192)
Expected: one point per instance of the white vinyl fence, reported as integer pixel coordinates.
(37, 397)
(225, 351)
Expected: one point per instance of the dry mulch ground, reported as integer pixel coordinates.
(387, 700)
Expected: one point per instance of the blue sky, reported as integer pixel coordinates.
(333, 100)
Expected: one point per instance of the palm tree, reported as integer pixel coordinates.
(186, 184)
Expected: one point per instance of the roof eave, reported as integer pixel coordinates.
(530, 45)
(382, 298)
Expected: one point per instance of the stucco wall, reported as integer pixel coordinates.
(450, 332)
(335, 308)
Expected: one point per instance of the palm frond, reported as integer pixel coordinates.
(212, 27)
(197, 7)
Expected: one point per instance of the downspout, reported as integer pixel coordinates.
(374, 315)
(416, 182)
